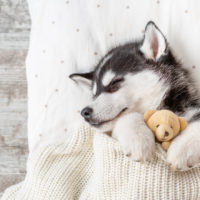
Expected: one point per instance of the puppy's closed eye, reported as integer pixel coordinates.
(114, 85)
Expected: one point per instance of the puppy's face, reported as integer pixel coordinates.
(122, 79)
(111, 100)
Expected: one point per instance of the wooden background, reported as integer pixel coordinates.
(14, 37)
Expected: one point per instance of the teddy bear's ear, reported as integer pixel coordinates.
(148, 114)
(183, 123)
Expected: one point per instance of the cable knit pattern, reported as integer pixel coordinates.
(91, 165)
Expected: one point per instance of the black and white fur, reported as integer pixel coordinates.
(133, 78)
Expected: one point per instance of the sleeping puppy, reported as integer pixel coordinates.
(136, 77)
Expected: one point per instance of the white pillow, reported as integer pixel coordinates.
(71, 36)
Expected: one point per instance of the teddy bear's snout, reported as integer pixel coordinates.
(164, 133)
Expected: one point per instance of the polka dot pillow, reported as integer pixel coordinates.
(71, 36)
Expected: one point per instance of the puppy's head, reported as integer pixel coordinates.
(118, 81)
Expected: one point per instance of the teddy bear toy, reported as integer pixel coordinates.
(165, 125)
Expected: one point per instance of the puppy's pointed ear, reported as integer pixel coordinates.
(154, 44)
(148, 114)
(83, 79)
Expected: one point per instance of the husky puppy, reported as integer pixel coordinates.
(133, 78)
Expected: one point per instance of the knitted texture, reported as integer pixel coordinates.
(91, 165)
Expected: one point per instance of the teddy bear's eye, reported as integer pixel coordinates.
(157, 125)
(171, 127)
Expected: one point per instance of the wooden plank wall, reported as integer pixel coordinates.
(14, 37)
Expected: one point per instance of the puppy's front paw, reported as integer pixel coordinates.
(183, 153)
(135, 137)
(138, 148)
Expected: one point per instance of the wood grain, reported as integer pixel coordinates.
(10, 179)
(14, 37)
(13, 122)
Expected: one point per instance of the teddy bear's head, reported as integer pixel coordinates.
(164, 124)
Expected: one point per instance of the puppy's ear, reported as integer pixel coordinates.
(83, 79)
(148, 114)
(183, 123)
(154, 44)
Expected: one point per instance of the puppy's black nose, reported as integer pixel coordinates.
(87, 113)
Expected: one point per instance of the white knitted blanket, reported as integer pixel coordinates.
(92, 166)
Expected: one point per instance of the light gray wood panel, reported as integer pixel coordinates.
(13, 159)
(14, 16)
(13, 127)
(14, 38)
(13, 58)
(13, 121)
(7, 180)
(14, 24)
(13, 98)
